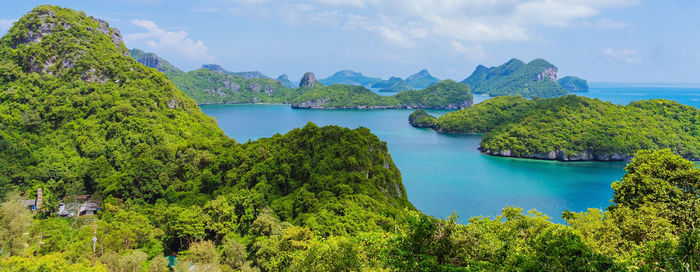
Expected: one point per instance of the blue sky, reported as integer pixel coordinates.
(600, 40)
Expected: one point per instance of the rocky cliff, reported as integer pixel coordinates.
(560, 155)
(309, 81)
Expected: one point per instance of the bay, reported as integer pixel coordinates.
(445, 173)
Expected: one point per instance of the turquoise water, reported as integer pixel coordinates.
(445, 173)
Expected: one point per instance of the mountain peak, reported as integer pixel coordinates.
(153, 61)
(421, 80)
(308, 81)
(214, 67)
(64, 43)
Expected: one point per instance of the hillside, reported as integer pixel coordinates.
(537, 78)
(153, 61)
(212, 84)
(349, 77)
(216, 87)
(79, 116)
(443, 95)
(573, 128)
(97, 122)
(573, 84)
(420, 80)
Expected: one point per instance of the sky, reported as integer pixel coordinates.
(599, 40)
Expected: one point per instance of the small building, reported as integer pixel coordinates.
(79, 204)
(68, 210)
(89, 208)
(30, 204)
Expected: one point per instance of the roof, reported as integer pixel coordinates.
(29, 202)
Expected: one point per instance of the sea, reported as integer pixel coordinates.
(445, 173)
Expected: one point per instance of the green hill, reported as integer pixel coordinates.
(573, 84)
(573, 128)
(215, 87)
(153, 61)
(443, 95)
(80, 116)
(421, 80)
(212, 84)
(537, 78)
(349, 77)
(96, 121)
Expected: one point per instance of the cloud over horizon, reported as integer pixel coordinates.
(401, 22)
(156, 38)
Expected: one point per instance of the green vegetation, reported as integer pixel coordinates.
(213, 87)
(537, 78)
(446, 94)
(398, 86)
(284, 79)
(95, 121)
(343, 96)
(574, 128)
(349, 77)
(154, 61)
(420, 80)
(573, 84)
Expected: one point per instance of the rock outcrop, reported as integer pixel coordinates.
(559, 155)
(308, 81)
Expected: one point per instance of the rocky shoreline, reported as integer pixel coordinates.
(558, 155)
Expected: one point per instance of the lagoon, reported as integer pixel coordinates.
(445, 173)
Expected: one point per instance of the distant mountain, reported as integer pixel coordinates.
(446, 94)
(537, 78)
(212, 84)
(421, 80)
(573, 84)
(284, 79)
(248, 74)
(153, 61)
(350, 77)
(398, 86)
(387, 83)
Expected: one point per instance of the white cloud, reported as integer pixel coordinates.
(625, 55)
(402, 22)
(6, 24)
(605, 23)
(176, 41)
(473, 53)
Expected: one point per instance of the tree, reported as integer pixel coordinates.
(15, 221)
(661, 177)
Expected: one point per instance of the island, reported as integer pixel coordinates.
(538, 78)
(573, 128)
(446, 94)
(107, 166)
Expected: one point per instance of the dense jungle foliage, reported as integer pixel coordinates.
(574, 125)
(80, 116)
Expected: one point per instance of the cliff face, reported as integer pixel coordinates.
(538, 78)
(308, 81)
(153, 61)
(560, 155)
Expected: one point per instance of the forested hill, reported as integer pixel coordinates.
(573, 127)
(80, 116)
(537, 78)
(445, 94)
(212, 84)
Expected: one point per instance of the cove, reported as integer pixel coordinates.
(443, 173)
